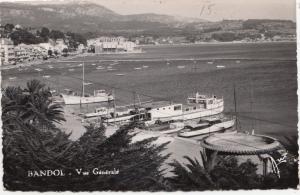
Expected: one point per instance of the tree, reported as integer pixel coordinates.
(23, 36)
(50, 52)
(28, 145)
(45, 34)
(226, 175)
(56, 34)
(65, 52)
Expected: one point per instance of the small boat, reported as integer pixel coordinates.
(145, 66)
(99, 112)
(79, 65)
(120, 74)
(98, 96)
(93, 64)
(38, 69)
(210, 62)
(12, 78)
(46, 76)
(100, 68)
(180, 67)
(167, 128)
(71, 69)
(137, 68)
(220, 66)
(238, 61)
(206, 126)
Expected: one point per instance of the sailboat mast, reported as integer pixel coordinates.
(114, 100)
(235, 112)
(83, 78)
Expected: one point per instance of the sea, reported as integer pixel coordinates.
(263, 77)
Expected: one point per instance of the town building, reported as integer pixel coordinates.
(7, 53)
(111, 44)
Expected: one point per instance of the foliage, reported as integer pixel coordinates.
(45, 34)
(31, 141)
(227, 174)
(22, 36)
(75, 39)
(56, 34)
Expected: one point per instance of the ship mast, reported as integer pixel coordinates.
(83, 78)
(235, 112)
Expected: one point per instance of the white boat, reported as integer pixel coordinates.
(207, 126)
(100, 68)
(99, 112)
(124, 115)
(220, 66)
(137, 68)
(180, 67)
(167, 128)
(98, 96)
(197, 106)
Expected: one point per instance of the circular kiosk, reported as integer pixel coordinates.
(240, 144)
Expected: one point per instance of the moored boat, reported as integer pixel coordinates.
(198, 106)
(167, 128)
(99, 96)
(99, 112)
(206, 126)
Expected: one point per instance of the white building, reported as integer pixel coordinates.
(111, 44)
(7, 53)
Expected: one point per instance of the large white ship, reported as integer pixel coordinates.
(197, 106)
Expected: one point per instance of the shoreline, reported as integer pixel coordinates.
(70, 57)
(215, 43)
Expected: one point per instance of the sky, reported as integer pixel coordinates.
(213, 10)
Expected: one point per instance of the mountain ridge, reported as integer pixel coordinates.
(83, 16)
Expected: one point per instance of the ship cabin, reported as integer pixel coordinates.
(100, 92)
(162, 110)
(198, 101)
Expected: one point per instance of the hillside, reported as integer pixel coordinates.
(83, 17)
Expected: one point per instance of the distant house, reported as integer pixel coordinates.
(111, 44)
(7, 53)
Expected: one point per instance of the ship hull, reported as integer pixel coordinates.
(72, 100)
(190, 115)
(211, 129)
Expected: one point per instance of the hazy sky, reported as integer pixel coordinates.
(205, 9)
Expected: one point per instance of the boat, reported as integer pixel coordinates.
(206, 126)
(72, 98)
(99, 96)
(197, 106)
(124, 116)
(180, 67)
(220, 66)
(167, 128)
(102, 111)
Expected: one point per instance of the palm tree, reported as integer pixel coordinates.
(31, 105)
(226, 174)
